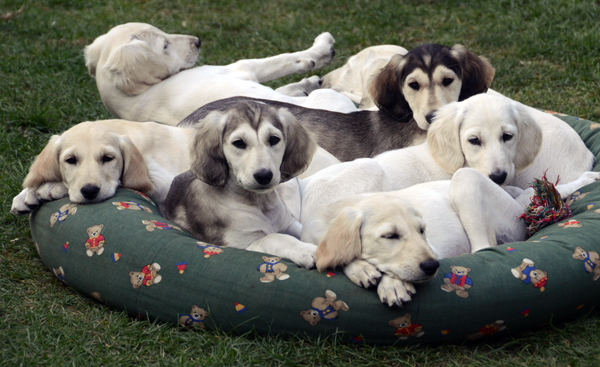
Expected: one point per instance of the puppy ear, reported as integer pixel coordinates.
(134, 67)
(92, 54)
(300, 146)
(341, 243)
(477, 72)
(530, 137)
(45, 168)
(135, 173)
(386, 90)
(443, 137)
(206, 152)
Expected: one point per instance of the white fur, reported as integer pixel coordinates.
(143, 73)
(145, 156)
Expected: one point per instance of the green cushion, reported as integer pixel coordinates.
(225, 288)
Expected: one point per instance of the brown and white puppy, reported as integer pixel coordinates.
(145, 74)
(230, 197)
(424, 79)
(90, 160)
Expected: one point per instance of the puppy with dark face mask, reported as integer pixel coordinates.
(230, 197)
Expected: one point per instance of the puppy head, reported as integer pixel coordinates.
(381, 229)
(252, 146)
(491, 134)
(91, 161)
(135, 56)
(416, 84)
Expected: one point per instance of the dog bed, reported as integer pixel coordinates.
(124, 254)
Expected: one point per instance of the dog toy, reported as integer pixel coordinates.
(546, 206)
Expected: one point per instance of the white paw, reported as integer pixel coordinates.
(362, 273)
(394, 291)
(321, 53)
(51, 191)
(310, 84)
(589, 177)
(24, 203)
(305, 256)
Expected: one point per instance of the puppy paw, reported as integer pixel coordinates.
(306, 256)
(301, 89)
(25, 202)
(394, 291)
(51, 191)
(589, 177)
(362, 273)
(321, 53)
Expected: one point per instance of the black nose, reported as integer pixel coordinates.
(429, 117)
(197, 42)
(263, 176)
(90, 191)
(430, 266)
(498, 178)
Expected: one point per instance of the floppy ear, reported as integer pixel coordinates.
(477, 72)
(530, 137)
(386, 90)
(92, 54)
(206, 155)
(45, 168)
(135, 173)
(300, 146)
(443, 137)
(134, 67)
(341, 243)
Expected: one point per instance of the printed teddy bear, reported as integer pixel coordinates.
(151, 225)
(122, 205)
(60, 274)
(324, 308)
(148, 276)
(273, 268)
(95, 242)
(458, 280)
(405, 328)
(529, 273)
(577, 195)
(571, 224)
(208, 249)
(590, 259)
(62, 213)
(195, 318)
(488, 329)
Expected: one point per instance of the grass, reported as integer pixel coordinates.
(547, 54)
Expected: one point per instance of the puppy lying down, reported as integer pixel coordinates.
(229, 197)
(399, 235)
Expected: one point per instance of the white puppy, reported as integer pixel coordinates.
(90, 160)
(230, 197)
(143, 74)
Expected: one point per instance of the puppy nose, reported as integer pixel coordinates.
(90, 191)
(430, 266)
(498, 178)
(263, 176)
(196, 42)
(429, 117)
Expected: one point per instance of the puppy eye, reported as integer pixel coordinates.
(506, 137)
(414, 85)
(166, 45)
(447, 81)
(273, 140)
(71, 160)
(475, 141)
(239, 144)
(422, 230)
(391, 236)
(107, 158)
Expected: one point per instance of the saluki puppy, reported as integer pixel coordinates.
(230, 197)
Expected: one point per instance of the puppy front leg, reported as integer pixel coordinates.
(362, 273)
(283, 245)
(274, 67)
(394, 291)
(566, 190)
(29, 198)
(485, 209)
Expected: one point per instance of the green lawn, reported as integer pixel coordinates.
(546, 53)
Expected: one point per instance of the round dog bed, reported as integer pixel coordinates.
(124, 254)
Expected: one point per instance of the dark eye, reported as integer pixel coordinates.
(475, 141)
(166, 45)
(447, 81)
(273, 140)
(422, 230)
(107, 158)
(239, 144)
(391, 236)
(414, 85)
(506, 137)
(71, 160)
